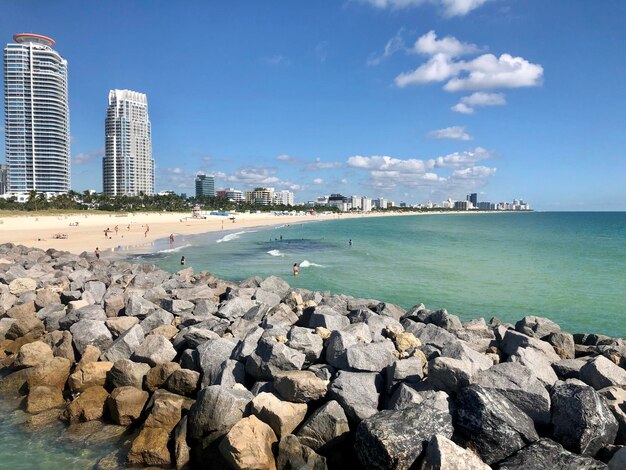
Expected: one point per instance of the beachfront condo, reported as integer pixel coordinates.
(127, 167)
(36, 116)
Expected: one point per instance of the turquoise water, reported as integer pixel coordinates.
(570, 267)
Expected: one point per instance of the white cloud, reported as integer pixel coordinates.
(439, 67)
(479, 98)
(87, 157)
(490, 72)
(287, 158)
(277, 60)
(450, 7)
(318, 181)
(459, 159)
(453, 133)
(253, 176)
(344, 181)
(320, 165)
(474, 173)
(450, 46)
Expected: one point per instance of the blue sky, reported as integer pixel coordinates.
(407, 99)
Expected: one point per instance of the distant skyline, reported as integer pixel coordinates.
(411, 100)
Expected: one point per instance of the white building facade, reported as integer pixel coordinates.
(127, 167)
(283, 197)
(37, 116)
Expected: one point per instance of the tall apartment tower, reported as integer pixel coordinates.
(127, 167)
(36, 115)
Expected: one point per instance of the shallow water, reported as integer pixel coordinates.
(566, 266)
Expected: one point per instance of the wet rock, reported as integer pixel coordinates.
(44, 398)
(545, 453)
(154, 350)
(292, 454)
(248, 445)
(491, 424)
(600, 372)
(299, 386)
(357, 393)
(150, 448)
(441, 453)
(88, 406)
(215, 411)
(325, 428)
(581, 419)
(395, 439)
(282, 416)
(125, 404)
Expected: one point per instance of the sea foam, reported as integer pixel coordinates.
(275, 253)
(233, 236)
(308, 264)
(174, 250)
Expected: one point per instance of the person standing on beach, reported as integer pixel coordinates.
(147, 230)
(295, 269)
(116, 229)
(97, 252)
(171, 238)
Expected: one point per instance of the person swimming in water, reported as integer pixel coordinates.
(295, 269)
(182, 261)
(350, 242)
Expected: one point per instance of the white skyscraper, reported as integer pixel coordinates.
(37, 116)
(127, 167)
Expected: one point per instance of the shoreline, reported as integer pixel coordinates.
(37, 231)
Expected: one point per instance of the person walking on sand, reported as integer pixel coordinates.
(182, 261)
(97, 252)
(147, 230)
(116, 229)
(295, 269)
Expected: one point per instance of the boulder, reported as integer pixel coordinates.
(25, 326)
(90, 332)
(395, 439)
(158, 375)
(125, 404)
(236, 308)
(581, 419)
(61, 344)
(88, 406)
(137, 306)
(282, 416)
(47, 296)
(545, 453)
(167, 331)
(53, 373)
(96, 289)
(441, 453)
(177, 306)
(449, 375)
(339, 342)
(307, 342)
(213, 353)
(215, 411)
(271, 357)
(154, 350)
(370, 357)
(537, 327)
(125, 345)
(165, 410)
(292, 454)
(232, 372)
(357, 393)
(299, 386)
(90, 374)
(22, 285)
(616, 401)
(181, 451)
(126, 373)
(536, 361)
(406, 396)
(183, 382)
(518, 384)
(248, 445)
(325, 428)
(328, 318)
(114, 305)
(150, 449)
(600, 372)
(514, 341)
(618, 461)
(491, 424)
(118, 325)
(568, 368)
(44, 398)
(276, 285)
(32, 354)
(157, 318)
(563, 344)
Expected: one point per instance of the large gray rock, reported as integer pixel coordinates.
(357, 392)
(215, 412)
(568, 368)
(538, 327)
(137, 306)
(405, 396)
(248, 344)
(90, 332)
(371, 357)
(340, 340)
(299, 386)
(272, 356)
(442, 453)
(409, 370)
(325, 428)
(236, 308)
(125, 345)
(307, 342)
(155, 319)
(616, 401)
(581, 419)
(96, 289)
(600, 372)
(513, 341)
(538, 362)
(276, 285)
(329, 318)
(443, 319)
(491, 424)
(563, 344)
(430, 335)
(127, 373)
(213, 354)
(51, 314)
(463, 352)
(545, 453)
(153, 350)
(395, 439)
(518, 383)
(449, 375)
(271, 299)
(293, 454)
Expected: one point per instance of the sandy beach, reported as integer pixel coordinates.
(85, 232)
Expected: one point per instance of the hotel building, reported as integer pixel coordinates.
(127, 167)
(37, 116)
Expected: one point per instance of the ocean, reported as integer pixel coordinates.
(567, 266)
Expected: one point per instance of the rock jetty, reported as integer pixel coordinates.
(190, 371)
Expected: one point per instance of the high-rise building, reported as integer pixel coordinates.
(36, 115)
(205, 185)
(283, 197)
(127, 167)
(473, 198)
